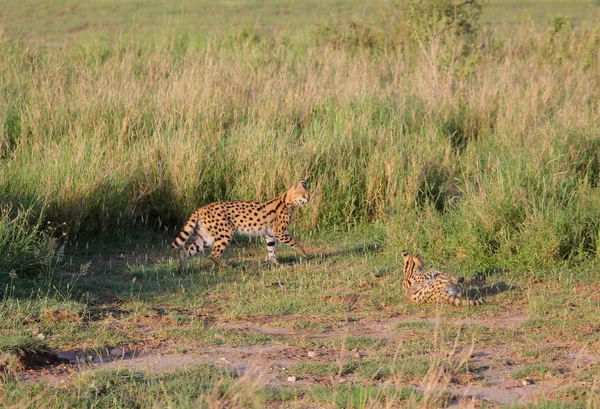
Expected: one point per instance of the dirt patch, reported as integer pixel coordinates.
(46, 367)
(496, 395)
(508, 319)
(257, 329)
(492, 379)
(371, 328)
(154, 362)
(269, 365)
(39, 360)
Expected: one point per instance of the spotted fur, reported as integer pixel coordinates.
(431, 286)
(212, 226)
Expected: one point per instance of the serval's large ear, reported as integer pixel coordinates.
(302, 183)
(419, 259)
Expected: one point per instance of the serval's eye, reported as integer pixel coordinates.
(424, 286)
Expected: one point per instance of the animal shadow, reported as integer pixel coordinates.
(474, 291)
(477, 286)
(360, 249)
(483, 275)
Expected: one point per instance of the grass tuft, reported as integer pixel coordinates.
(27, 245)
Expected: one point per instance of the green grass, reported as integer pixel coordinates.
(126, 389)
(514, 12)
(412, 369)
(361, 396)
(414, 325)
(71, 20)
(128, 301)
(137, 141)
(26, 244)
(472, 139)
(537, 371)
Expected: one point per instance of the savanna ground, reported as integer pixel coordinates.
(467, 134)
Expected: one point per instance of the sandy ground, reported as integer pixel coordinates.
(269, 364)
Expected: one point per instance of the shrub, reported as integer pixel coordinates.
(26, 244)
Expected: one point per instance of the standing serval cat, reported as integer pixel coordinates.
(431, 286)
(213, 225)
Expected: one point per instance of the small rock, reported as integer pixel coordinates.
(40, 336)
(116, 352)
(279, 285)
(291, 378)
(311, 354)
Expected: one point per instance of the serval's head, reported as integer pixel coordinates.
(412, 263)
(298, 194)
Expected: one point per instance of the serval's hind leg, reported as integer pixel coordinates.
(271, 244)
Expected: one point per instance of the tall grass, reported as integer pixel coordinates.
(27, 245)
(477, 145)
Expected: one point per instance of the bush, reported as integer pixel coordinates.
(26, 244)
(434, 18)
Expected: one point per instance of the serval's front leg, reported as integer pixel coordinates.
(287, 239)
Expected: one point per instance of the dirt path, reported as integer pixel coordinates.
(269, 364)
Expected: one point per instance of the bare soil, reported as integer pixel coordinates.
(269, 364)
